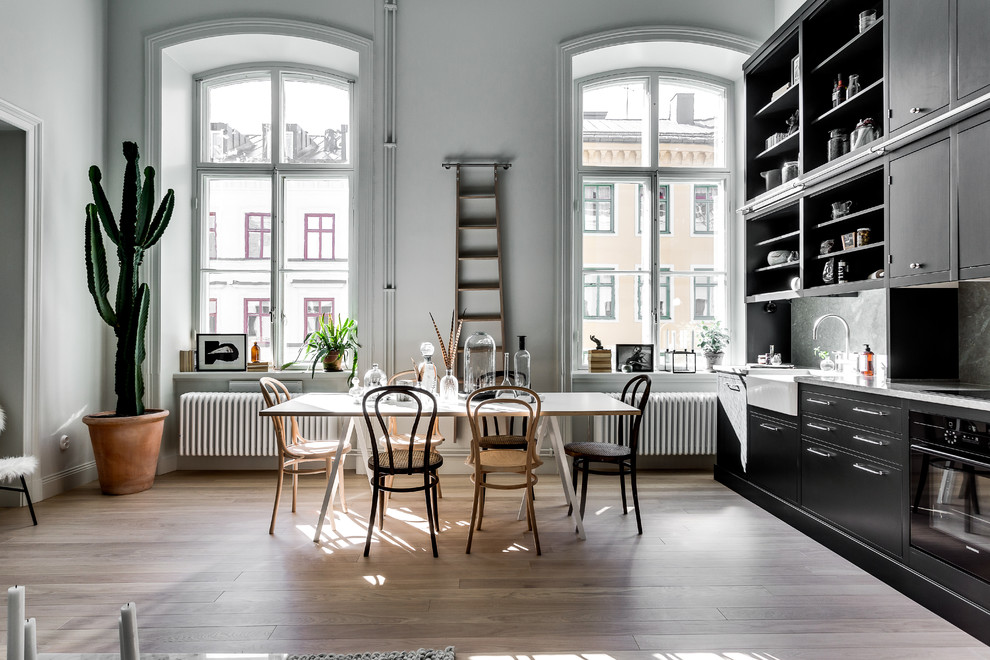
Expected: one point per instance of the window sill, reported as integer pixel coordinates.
(255, 375)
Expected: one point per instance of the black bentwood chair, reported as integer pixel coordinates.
(621, 453)
(394, 457)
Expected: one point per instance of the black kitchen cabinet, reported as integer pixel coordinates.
(858, 493)
(918, 59)
(974, 195)
(919, 195)
(972, 47)
(772, 462)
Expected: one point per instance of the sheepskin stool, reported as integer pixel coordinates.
(18, 467)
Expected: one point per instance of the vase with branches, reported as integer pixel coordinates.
(448, 351)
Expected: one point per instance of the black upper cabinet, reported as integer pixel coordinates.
(918, 59)
(973, 47)
(974, 195)
(919, 211)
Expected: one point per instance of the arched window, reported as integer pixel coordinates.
(275, 174)
(651, 168)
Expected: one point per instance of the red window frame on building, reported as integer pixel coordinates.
(263, 310)
(312, 316)
(262, 231)
(326, 223)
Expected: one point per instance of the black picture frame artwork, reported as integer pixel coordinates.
(637, 357)
(221, 352)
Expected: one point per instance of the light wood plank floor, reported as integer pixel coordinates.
(713, 577)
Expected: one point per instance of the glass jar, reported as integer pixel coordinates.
(374, 377)
(356, 390)
(789, 171)
(838, 143)
(479, 361)
(864, 133)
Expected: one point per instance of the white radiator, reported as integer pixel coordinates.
(228, 424)
(674, 423)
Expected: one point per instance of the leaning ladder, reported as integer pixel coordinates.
(478, 298)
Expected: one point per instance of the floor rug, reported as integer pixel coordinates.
(420, 654)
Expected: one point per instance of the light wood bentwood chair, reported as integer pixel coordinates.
(621, 453)
(294, 449)
(503, 454)
(397, 458)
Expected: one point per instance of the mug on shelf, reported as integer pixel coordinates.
(840, 209)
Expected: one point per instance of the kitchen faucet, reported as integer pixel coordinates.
(818, 322)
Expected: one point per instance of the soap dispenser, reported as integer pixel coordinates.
(866, 361)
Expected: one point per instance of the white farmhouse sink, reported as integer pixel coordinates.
(776, 391)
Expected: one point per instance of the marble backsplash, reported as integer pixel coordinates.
(974, 322)
(866, 315)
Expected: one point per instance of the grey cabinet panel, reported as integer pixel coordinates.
(972, 46)
(919, 211)
(974, 195)
(918, 58)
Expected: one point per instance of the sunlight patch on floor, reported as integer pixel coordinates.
(602, 510)
(375, 580)
(713, 655)
(516, 547)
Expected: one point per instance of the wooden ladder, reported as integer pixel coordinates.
(478, 299)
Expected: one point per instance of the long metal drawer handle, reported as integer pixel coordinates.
(819, 402)
(769, 428)
(864, 468)
(879, 413)
(820, 428)
(734, 388)
(869, 440)
(816, 452)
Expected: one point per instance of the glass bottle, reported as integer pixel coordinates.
(838, 92)
(255, 353)
(866, 361)
(374, 377)
(854, 86)
(427, 370)
(521, 362)
(479, 361)
(506, 381)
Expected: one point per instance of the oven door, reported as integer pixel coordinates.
(950, 508)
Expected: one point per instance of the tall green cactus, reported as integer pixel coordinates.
(138, 230)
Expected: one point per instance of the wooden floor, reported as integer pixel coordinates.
(713, 577)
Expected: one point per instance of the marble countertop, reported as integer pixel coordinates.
(913, 390)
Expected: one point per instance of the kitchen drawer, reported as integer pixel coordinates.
(868, 442)
(861, 496)
(773, 449)
(863, 412)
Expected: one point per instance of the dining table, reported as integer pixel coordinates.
(554, 405)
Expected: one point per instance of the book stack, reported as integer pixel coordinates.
(259, 366)
(600, 362)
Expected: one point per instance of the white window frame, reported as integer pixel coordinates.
(278, 172)
(657, 176)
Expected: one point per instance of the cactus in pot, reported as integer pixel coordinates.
(139, 228)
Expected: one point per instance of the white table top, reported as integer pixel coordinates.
(554, 404)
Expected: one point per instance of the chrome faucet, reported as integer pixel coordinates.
(818, 322)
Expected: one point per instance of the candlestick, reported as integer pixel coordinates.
(128, 630)
(30, 640)
(15, 623)
(692, 340)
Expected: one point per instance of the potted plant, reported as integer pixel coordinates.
(714, 338)
(126, 441)
(331, 342)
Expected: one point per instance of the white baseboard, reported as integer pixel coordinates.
(66, 480)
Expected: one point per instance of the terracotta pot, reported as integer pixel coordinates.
(332, 361)
(126, 449)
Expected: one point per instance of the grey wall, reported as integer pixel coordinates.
(866, 315)
(974, 322)
(12, 181)
(52, 65)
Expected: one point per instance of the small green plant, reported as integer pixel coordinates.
(139, 228)
(330, 337)
(818, 351)
(714, 338)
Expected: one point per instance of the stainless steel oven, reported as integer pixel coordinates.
(950, 490)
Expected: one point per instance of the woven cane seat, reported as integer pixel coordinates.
(603, 451)
(401, 458)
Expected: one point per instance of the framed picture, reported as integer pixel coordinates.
(634, 357)
(221, 352)
(795, 70)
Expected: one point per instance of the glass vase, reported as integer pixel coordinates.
(826, 364)
(448, 388)
(479, 361)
